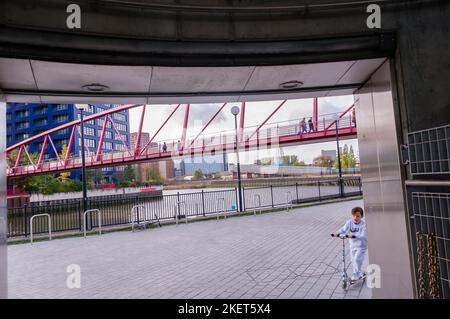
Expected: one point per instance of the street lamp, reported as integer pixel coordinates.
(341, 188)
(235, 111)
(81, 108)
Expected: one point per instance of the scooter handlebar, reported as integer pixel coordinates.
(339, 235)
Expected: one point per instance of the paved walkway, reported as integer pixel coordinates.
(274, 255)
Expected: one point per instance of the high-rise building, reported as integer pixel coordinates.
(25, 120)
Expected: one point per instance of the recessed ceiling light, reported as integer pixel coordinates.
(291, 85)
(95, 87)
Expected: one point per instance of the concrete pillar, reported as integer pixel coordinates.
(3, 211)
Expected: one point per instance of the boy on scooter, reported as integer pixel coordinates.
(355, 229)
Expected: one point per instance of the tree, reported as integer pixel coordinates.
(43, 184)
(64, 177)
(198, 174)
(301, 163)
(348, 158)
(129, 173)
(153, 175)
(323, 161)
(217, 175)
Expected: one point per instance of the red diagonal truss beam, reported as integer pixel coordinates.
(316, 113)
(241, 122)
(340, 116)
(29, 157)
(120, 135)
(102, 138)
(268, 118)
(54, 148)
(138, 140)
(160, 128)
(207, 124)
(69, 147)
(41, 156)
(185, 125)
(19, 155)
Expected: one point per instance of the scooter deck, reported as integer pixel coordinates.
(353, 282)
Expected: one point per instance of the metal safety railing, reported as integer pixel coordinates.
(67, 215)
(49, 226)
(99, 218)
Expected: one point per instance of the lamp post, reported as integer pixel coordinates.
(81, 108)
(341, 189)
(235, 111)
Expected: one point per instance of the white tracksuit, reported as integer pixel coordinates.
(358, 245)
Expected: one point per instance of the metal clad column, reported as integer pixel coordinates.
(382, 181)
(3, 210)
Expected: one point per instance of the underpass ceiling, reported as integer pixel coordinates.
(25, 80)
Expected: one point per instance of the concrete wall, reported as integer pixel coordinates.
(421, 28)
(3, 211)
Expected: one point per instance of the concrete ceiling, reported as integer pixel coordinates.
(23, 80)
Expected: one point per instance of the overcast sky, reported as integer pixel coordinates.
(255, 113)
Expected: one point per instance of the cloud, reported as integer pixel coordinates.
(203, 112)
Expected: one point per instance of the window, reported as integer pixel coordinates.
(60, 107)
(121, 127)
(107, 169)
(63, 131)
(23, 113)
(40, 122)
(8, 116)
(107, 146)
(119, 147)
(60, 143)
(36, 132)
(100, 122)
(40, 110)
(108, 135)
(8, 128)
(61, 118)
(89, 131)
(89, 142)
(22, 125)
(119, 117)
(22, 136)
(39, 146)
(9, 139)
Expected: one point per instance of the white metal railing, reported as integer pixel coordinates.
(99, 218)
(49, 226)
